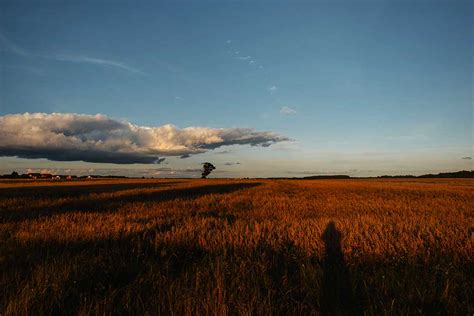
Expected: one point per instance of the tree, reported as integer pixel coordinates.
(207, 168)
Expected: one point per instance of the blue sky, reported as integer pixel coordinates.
(360, 87)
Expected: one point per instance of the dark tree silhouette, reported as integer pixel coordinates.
(207, 168)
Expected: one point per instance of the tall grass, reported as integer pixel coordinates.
(186, 247)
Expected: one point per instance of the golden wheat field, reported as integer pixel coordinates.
(237, 247)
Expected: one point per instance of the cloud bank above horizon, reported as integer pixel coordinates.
(98, 138)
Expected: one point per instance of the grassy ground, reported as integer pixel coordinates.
(237, 247)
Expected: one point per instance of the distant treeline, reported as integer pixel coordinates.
(458, 174)
(337, 176)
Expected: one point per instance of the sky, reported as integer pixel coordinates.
(271, 88)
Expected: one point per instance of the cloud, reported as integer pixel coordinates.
(223, 152)
(236, 54)
(9, 46)
(98, 138)
(272, 89)
(466, 158)
(96, 61)
(308, 172)
(232, 163)
(177, 170)
(31, 70)
(285, 110)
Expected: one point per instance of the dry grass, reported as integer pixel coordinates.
(185, 247)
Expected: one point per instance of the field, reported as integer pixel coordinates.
(250, 247)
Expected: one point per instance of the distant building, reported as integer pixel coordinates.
(38, 175)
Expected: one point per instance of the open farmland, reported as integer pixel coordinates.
(247, 247)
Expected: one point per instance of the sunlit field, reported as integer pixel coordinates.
(250, 247)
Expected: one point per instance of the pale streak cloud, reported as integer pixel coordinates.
(96, 61)
(9, 46)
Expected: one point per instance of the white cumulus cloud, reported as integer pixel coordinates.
(272, 89)
(285, 110)
(98, 138)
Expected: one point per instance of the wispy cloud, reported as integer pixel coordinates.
(96, 61)
(285, 110)
(235, 53)
(8, 45)
(318, 172)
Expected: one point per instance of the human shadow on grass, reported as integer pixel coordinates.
(112, 203)
(337, 297)
(136, 261)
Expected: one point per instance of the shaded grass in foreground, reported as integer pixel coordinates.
(227, 247)
(104, 203)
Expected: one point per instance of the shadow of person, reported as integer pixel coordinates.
(336, 297)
